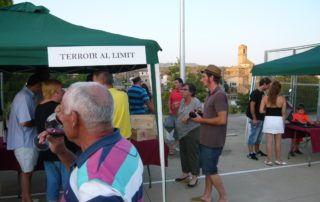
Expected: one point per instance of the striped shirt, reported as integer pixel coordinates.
(109, 170)
(137, 98)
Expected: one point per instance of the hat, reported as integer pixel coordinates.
(212, 69)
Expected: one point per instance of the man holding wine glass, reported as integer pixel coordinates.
(109, 167)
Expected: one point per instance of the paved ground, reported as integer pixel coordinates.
(245, 180)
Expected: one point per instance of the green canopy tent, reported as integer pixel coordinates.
(305, 63)
(31, 38)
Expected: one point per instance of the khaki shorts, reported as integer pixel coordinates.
(27, 158)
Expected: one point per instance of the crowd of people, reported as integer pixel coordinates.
(268, 115)
(95, 161)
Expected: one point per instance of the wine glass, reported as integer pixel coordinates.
(54, 127)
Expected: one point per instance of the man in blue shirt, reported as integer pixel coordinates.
(22, 131)
(138, 98)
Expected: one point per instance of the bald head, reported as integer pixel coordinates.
(92, 101)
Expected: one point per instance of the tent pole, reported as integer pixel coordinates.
(1, 90)
(182, 43)
(318, 106)
(160, 129)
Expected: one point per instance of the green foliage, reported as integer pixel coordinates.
(68, 79)
(233, 109)
(165, 98)
(242, 101)
(201, 90)
(5, 3)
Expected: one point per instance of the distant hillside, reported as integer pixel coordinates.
(170, 64)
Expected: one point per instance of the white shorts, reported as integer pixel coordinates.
(27, 158)
(273, 125)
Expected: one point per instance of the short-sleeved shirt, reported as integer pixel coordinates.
(22, 110)
(121, 115)
(302, 117)
(256, 96)
(109, 170)
(214, 135)
(175, 99)
(137, 98)
(184, 128)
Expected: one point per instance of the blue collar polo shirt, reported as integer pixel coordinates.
(109, 170)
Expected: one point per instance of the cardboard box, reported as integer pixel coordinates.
(144, 127)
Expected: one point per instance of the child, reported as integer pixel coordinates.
(299, 117)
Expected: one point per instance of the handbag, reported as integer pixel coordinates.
(169, 123)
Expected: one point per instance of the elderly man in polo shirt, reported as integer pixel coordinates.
(22, 131)
(213, 130)
(109, 167)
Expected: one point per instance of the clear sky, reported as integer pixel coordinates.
(214, 29)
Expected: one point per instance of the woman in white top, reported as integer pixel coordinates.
(274, 107)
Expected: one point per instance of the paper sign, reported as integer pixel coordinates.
(96, 55)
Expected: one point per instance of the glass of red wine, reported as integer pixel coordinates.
(54, 127)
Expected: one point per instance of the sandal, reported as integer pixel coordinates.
(281, 163)
(268, 163)
(172, 152)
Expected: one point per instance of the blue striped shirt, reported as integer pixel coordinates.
(137, 98)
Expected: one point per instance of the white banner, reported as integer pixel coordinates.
(96, 55)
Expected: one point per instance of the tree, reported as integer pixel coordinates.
(5, 3)
(242, 101)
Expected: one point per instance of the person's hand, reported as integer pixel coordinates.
(197, 119)
(185, 119)
(255, 122)
(56, 144)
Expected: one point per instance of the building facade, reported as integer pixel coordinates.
(239, 77)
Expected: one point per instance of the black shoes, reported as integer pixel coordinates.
(193, 185)
(252, 156)
(261, 153)
(298, 152)
(179, 179)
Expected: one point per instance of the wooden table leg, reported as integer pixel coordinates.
(149, 174)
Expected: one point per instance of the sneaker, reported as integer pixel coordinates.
(260, 153)
(298, 151)
(252, 156)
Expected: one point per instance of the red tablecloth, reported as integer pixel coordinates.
(301, 132)
(8, 160)
(149, 152)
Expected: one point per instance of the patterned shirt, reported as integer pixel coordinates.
(109, 170)
(22, 110)
(137, 98)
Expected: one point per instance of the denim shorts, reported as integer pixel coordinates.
(209, 158)
(254, 132)
(57, 176)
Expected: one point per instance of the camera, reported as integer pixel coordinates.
(194, 114)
